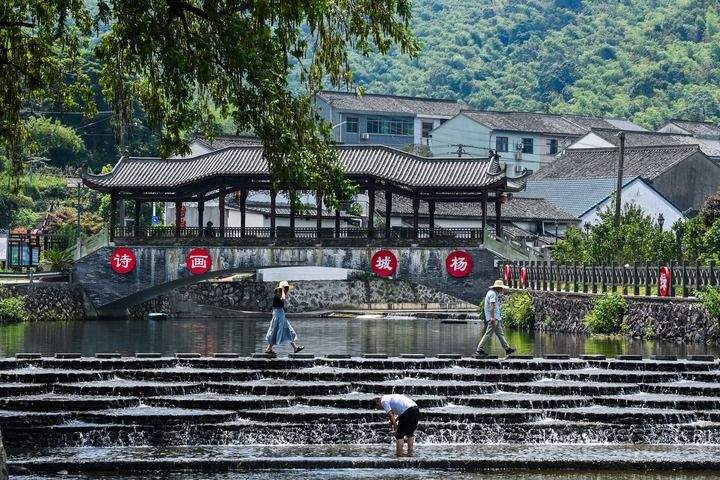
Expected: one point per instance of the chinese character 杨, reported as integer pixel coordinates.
(458, 264)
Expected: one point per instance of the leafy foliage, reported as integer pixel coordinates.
(646, 60)
(606, 315)
(56, 261)
(12, 308)
(518, 311)
(62, 146)
(637, 239)
(710, 298)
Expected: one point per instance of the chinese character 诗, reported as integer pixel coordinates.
(384, 263)
(122, 261)
(458, 264)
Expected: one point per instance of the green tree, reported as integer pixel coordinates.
(62, 146)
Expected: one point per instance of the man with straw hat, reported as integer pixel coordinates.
(493, 320)
(280, 331)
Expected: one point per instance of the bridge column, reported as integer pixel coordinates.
(498, 225)
(388, 213)
(113, 216)
(292, 217)
(416, 217)
(484, 215)
(337, 223)
(318, 214)
(178, 218)
(371, 210)
(136, 219)
(201, 215)
(221, 205)
(273, 197)
(431, 217)
(243, 203)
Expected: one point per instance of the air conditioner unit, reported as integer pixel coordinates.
(519, 169)
(364, 136)
(518, 152)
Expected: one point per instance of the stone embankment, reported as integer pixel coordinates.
(48, 301)
(677, 319)
(303, 403)
(308, 296)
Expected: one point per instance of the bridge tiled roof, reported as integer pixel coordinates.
(376, 161)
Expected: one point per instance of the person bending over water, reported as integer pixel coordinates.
(403, 414)
(280, 331)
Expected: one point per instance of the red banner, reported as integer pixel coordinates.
(198, 261)
(459, 264)
(384, 263)
(507, 274)
(122, 260)
(523, 276)
(664, 279)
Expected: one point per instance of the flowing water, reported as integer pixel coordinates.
(259, 419)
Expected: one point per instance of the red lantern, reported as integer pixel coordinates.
(507, 273)
(459, 264)
(198, 261)
(523, 276)
(122, 260)
(664, 280)
(384, 263)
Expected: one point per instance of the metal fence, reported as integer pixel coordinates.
(683, 279)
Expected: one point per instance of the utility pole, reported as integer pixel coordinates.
(460, 149)
(618, 190)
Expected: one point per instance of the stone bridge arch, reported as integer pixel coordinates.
(160, 269)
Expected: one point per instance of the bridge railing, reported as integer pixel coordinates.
(396, 232)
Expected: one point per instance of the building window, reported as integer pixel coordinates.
(501, 144)
(527, 145)
(390, 125)
(351, 124)
(552, 147)
(426, 128)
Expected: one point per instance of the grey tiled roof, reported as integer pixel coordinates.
(701, 129)
(567, 125)
(381, 162)
(650, 139)
(371, 102)
(227, 141)
(575, 196)
(645, 162)
(516, 209)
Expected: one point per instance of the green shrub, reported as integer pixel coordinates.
(606, 315)
(710, 298)
(12, 309)
(518, 311)
(56, 261)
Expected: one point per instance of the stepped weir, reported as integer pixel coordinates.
(148, 413)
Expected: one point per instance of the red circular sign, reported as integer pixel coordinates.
(459, 264)
(523, 276)
(664, 279)
(122, 260)
(507, 273)
(198, 261)
(384, 263)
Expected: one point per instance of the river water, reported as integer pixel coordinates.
(244, 335)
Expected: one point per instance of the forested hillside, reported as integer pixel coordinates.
(647, 60)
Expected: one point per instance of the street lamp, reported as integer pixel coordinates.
(661, 221)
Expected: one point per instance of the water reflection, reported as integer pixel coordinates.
(321, 335)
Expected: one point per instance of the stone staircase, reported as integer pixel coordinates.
(133, 414)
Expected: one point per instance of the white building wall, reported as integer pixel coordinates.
(642, 195)
(591, 140)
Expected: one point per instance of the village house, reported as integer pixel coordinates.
(524, 140)
(391, 120)
(586, 198)
(682, 174)
(707, 134)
